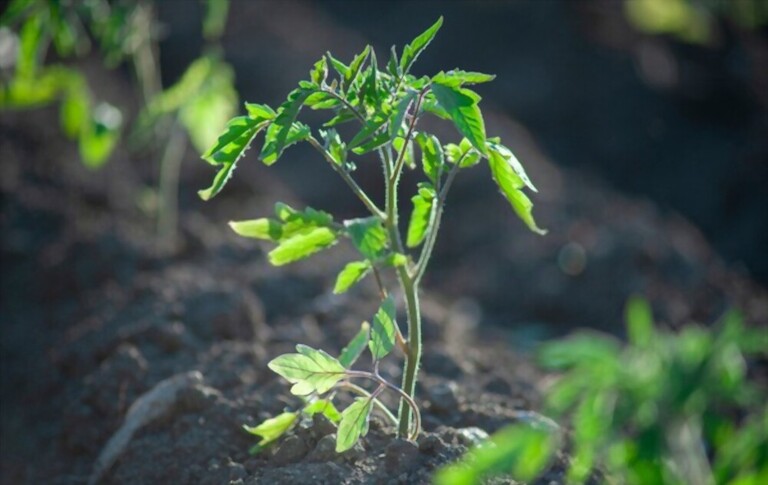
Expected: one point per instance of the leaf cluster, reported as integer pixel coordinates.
(315, 373)
(643, 411)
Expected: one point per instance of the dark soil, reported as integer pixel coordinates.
(95, 320)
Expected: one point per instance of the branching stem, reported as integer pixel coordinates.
(372, 207)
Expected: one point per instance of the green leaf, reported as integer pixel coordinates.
(215, 18)
(351, 274)
(355, 65)
(368, 235)
(417, 46)
(283, 130)
(393, 65)
(432, 156)
(372, 125)
(309, 371)
(205, 113)
(461, 105)
(509, 184)
(372, 144)
(338, 66)
(228, 150)
(260, 112)
(353, 424)
(100, 135)
(356, 346)
(273, 428)
(302, 245)
(74, 111)
(30, 39)
(521, 451)
(458, 78)
(396, 122)
(383, 330)
(324, 407)
(639, 318)
(422, 211)
(267, 229)
(273, 146)
(319, 71)
(513, 162)
(336, 148)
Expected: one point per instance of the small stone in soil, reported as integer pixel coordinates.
(443, 398)
(429, 443)
(291, 450)
(401, 454)
(237, 472)
(325, 449)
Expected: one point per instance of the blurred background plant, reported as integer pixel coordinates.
(38, 36)
(667, 408)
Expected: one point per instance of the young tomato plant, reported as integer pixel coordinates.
(387, 103)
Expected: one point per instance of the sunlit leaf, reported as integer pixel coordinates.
(509, 184)
(420, 217)
(458, 78)
(351, 274)
(273, 428)
(309, 371)
(228, 150)
(324, 407)
(383, 330)
(411, 51)
(284, 130)
(266, 229)
(356, 346)
(302, 245)
(461, 105)
(368, 235)
(353, 424)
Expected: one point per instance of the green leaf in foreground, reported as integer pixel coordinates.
(417, 46)
(353, 424)
(432, 156)
(461, 105)
(229, 148)
(351, 274)
(301, 246)
(272, 428)
(422, 210)
(356, 346)
(510, 184)
(523, 452)
(309, 371)
(383, 330)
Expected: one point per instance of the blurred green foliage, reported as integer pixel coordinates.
(30, 84)
(693, 21)
(667, 408)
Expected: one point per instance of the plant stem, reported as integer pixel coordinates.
(413, 358)
(404, 395)
(372, 207)
(170, 166)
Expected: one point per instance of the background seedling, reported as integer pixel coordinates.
(386, 103)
